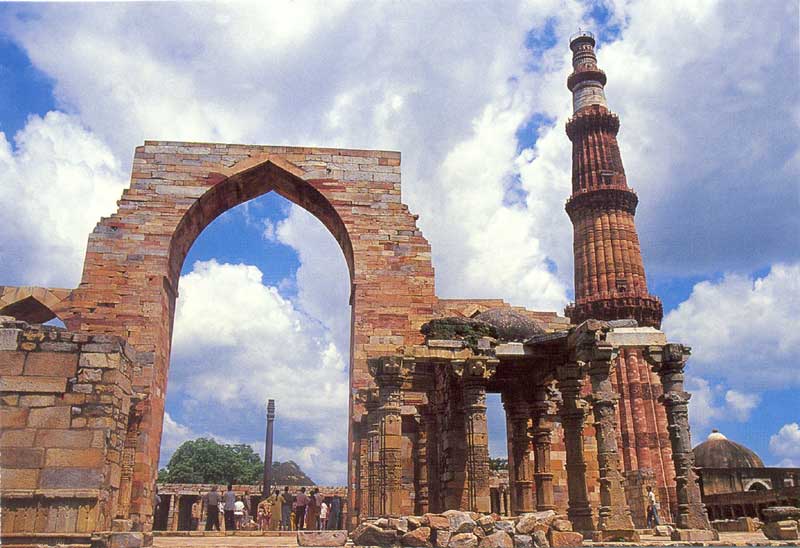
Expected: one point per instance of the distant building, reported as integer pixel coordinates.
(735, 483)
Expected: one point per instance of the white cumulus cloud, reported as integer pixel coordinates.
(786, 444)
(743, 329)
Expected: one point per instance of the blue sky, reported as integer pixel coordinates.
(474, 96)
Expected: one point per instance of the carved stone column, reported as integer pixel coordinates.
(374, 490)
(669, 361)
(519, 465)
(421, 502)
(388, 373)
(614, 516)
(475, 372)
(573, 415)
(541, 431)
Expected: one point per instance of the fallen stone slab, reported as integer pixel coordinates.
(781, 530)
(321, 538)
(564, 539)
(460, 522)
(463, 540)
(435, 521)
(694, 535)
(500, 539)
(367, 534)
(418, 538)
(780, 513)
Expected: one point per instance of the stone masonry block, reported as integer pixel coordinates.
(13, 417)
(73, 439)
(11, 362)
(83, 458)
(17, 438)
(33, 384)
(71, 478)
(9, 338)
(21, 457)
(49, 417)
(20, 478)
(54, 364)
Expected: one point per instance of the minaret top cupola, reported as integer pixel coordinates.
(586, 81)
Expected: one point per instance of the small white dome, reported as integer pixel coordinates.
(716, 435)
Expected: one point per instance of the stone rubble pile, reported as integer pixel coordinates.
(456, 529)
(782, 523)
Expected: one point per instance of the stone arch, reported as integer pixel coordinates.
(757, 485)
(134, 257)
(31, 304)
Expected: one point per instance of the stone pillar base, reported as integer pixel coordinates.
(616, 535)
(113, 539)
(693, 535)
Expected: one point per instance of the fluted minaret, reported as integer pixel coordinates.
(610, 281)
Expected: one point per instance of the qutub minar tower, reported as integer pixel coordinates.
(610, 282)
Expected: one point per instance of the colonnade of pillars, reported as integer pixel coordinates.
(530, 419)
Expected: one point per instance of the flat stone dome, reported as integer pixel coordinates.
(510, 325)
(720, 452)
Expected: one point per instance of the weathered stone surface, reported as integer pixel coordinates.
(17, 383)
(500, 539)
(523, 541)
(780, 513)
(13, 417)
(419, 537)
(486, 522)
(49, 417)
(321, 538)
(9, 338)
(20, 478)
(559, 539)
(561, 525)
(694, 535)
(540, 539)
(781, 530)
(21, 457)
(53, 364)
(74, 457)
(435, 521)
(527, 522)
(11, 362)
(367, 534)
(503, 525)
(75, 439)
(71, 478)
(414, 522)
(460, 522)
(664, 530)
(463, 540)
(441, 537)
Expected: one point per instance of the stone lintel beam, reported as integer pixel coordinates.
(669, 361)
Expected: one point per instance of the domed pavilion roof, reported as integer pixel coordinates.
(720, 452)
(510, 324)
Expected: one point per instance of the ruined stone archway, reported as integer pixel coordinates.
(134, 258)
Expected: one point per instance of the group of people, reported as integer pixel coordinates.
(280, 511)
(288, 512)
(235, 510)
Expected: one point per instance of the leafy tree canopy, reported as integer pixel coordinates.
(205, 461)
(498, 464)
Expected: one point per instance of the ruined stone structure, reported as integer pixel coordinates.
(589, 423)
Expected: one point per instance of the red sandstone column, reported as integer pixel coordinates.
(542, 437)
(573, 415)
(669, 361)
(520, 481)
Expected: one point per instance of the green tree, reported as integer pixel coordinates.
(205, 461)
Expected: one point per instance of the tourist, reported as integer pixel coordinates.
(652, 509)
(230, 503)
(323, 515)
(300, 502)
(286, 511)
(275, 509)
(263, 514)
(312, 511)
(334, 513)
(238, 512)
(197, 510)
(212, 500)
